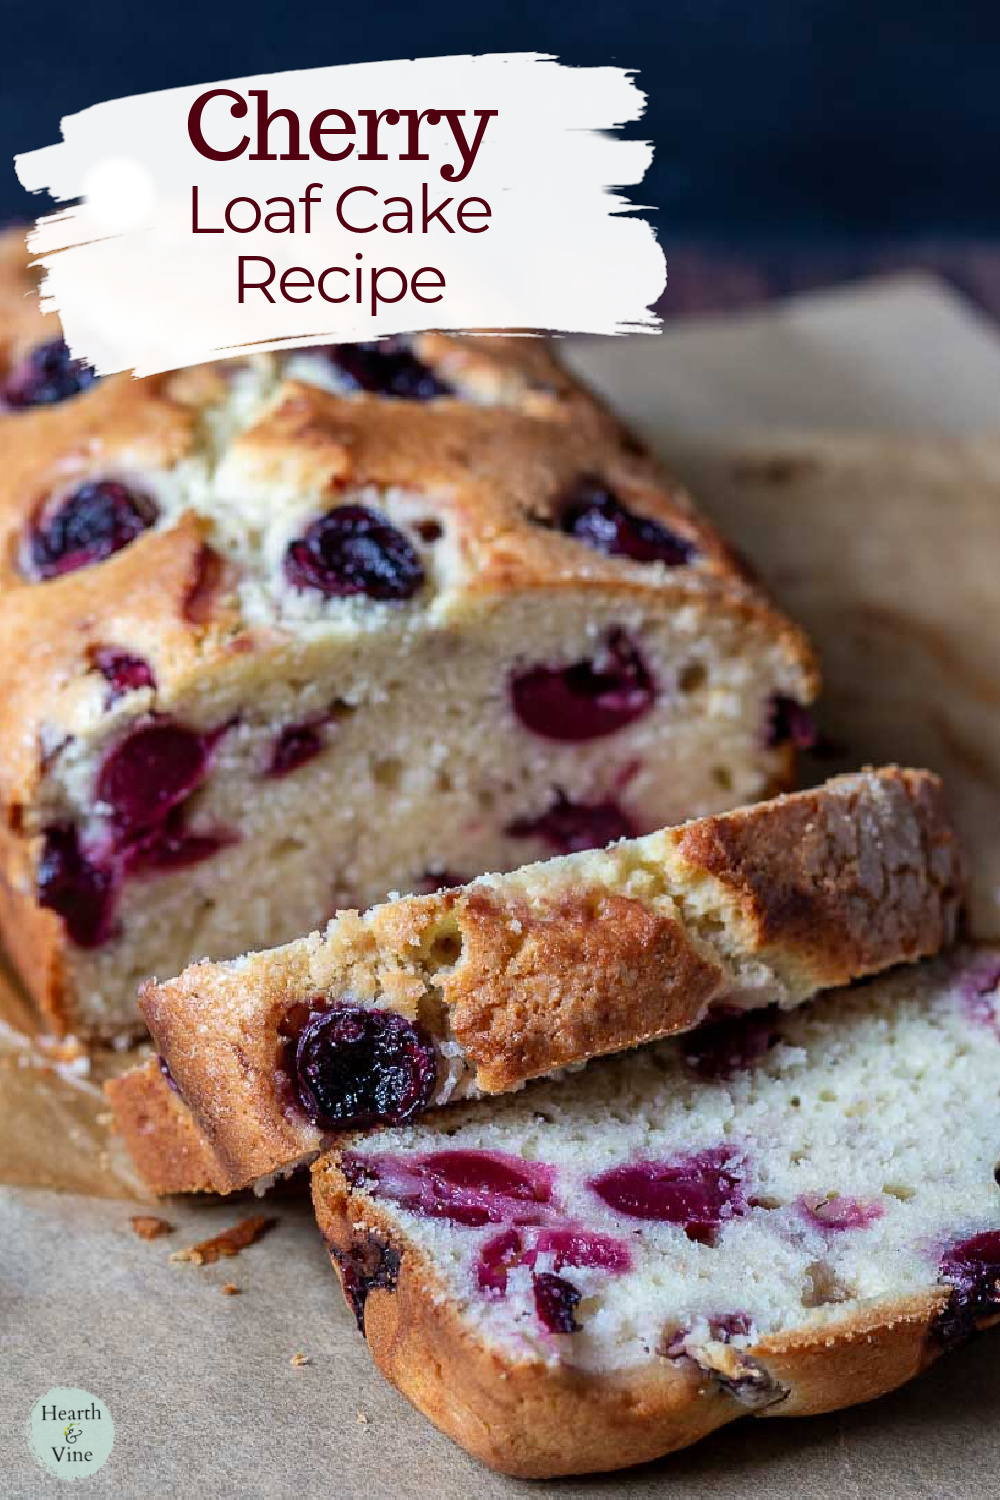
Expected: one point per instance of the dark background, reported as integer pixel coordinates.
(850, 129)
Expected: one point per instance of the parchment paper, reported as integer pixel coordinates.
(887, 547)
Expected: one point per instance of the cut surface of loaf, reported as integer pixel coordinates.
(285, 635)
(430, 999)
(781, 1218)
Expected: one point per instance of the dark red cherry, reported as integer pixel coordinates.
(973, 1269)
(731, 1044)
(78, 890)
(593, 514)
(839, 1212)
(48, 373)
(171, 846)
(699, 1192)
(565, 1247)
(568, 827)
(95, 521)
(588, 699)
(368, 1264)
(356, 1068)
(387, 368)
(471, 1188)
(353, 550)
(149, 772)
(296, 745)
(123, 673)
(789, 722)
(578, 1247)
(556, 1301)
(498, 1256)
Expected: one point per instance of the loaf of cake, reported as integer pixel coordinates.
(429, 999)
(769, 1217)
(285, 635)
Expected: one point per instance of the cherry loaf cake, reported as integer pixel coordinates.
(289, 634)
(776, 1215)
(432, 998)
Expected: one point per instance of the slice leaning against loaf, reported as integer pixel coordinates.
(479, 989)
(776, 1217)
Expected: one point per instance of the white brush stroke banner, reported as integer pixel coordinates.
(137, 289)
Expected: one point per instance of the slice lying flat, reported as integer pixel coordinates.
(777, 1215)
(425, 1000)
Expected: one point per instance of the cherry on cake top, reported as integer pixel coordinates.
(354, 550)
(48, 373)
(592, 513)
(91, 523)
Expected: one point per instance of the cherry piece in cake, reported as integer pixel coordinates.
(151, 771)
(124, 673)
(699, 1192)
(352, 550)
(356, 1068)
(170, 845)
(79, 890)
(838, 1212)
(471, 1188)
(556, 1301)
(972, 1267)
(368, 1265)
(594, 515)
(296, 745)
(388, 368)
(588, 699)
(565, 1247)
(96, 520)
(568, 827)
(47, 374)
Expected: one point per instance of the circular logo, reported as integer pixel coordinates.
(70, 1432)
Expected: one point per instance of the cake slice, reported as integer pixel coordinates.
(429, 999)
(774, 1216)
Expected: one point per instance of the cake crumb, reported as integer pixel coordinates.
(299, 1359)
(229, 1242)
(230, 1289)
(149, 1227)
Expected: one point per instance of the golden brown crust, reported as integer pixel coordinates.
(550, 984)
(537, 1421)
(33, 938)
(118, 429)
(832, 885)
(162, 1138)
(138, 601)
(565, 961)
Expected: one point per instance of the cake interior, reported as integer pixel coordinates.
(297, 752)
(783, 1171)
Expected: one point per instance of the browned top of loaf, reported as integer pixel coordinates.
(575, 957)
(493, 476)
